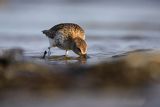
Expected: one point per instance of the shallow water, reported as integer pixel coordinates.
(111, 30)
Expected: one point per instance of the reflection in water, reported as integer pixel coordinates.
(66, 59)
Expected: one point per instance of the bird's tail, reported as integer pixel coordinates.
(45, 32)
(48, 33)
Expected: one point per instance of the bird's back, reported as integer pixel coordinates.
(68, 30)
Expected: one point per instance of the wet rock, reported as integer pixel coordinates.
(15, 54)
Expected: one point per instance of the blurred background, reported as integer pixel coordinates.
(112, 27)
(32, 16)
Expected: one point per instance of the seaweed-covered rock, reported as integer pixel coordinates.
(132, 70)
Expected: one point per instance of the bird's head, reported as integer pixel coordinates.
(79, 46)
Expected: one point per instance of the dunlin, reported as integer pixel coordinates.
(67, 36)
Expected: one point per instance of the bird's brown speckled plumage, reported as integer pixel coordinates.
(67, 29)
(67, 36)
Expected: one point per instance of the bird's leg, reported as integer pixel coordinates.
(44, 55)
(45, 52)
(49, 52)
(66, 53)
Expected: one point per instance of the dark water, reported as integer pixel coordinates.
(111, 29)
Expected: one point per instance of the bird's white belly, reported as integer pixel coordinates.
(52, 42)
